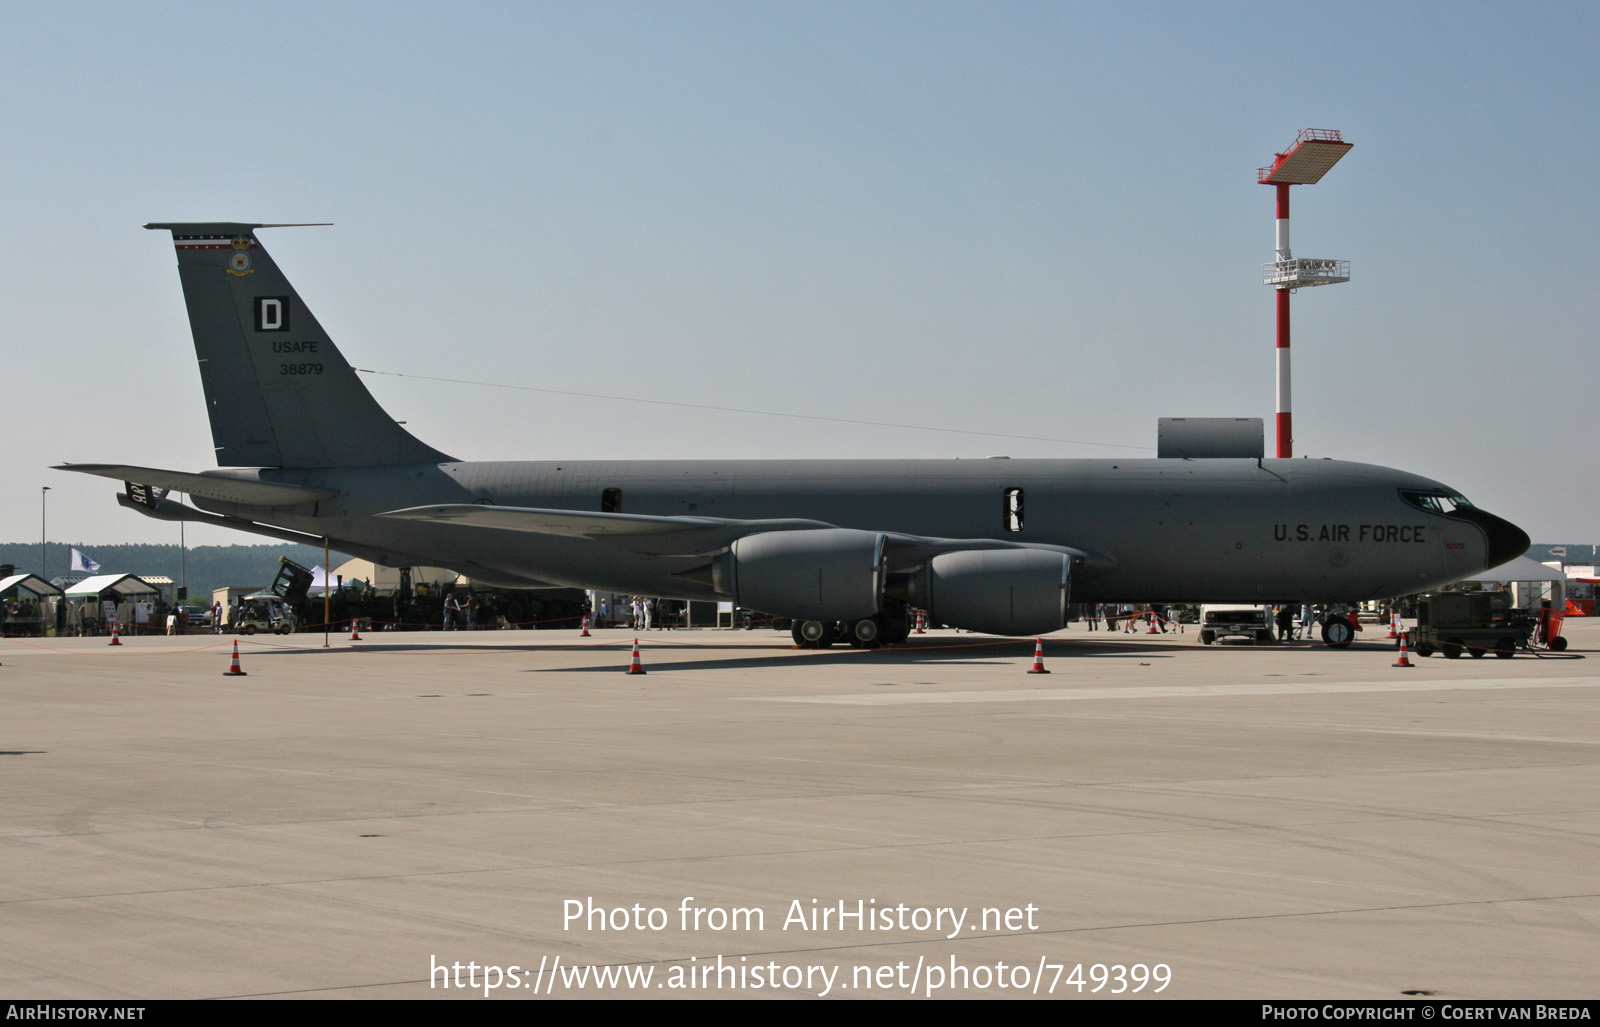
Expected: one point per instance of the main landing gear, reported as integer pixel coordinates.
(867, 633)
(1337, 632)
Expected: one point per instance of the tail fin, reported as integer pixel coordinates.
(278, 391)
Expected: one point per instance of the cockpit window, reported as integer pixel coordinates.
(1446, 503)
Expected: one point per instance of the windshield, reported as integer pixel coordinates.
(1446, 503)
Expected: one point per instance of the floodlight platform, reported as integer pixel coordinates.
(1315, 151)
(1304, 272)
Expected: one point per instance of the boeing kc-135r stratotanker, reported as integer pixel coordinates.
(841, 547)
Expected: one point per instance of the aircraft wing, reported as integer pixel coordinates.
(642, 533)
(657, 535)
(222, 487)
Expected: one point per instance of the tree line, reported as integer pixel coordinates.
(204, 567)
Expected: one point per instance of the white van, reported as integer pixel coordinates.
(1221, 620)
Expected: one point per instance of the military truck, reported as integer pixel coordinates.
(1474, 622)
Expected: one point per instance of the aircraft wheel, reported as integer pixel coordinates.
(1452, 648)
(867, 633)
(1476, 653)
(1424, 649)
(799, 639)
(1337, 632)
(816, 634)
(1558, 644)
(1505, 648)
(896, 630)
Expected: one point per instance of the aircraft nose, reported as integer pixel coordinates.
(1506, 540)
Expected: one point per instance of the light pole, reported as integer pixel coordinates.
(1315, 150)
(43, 531)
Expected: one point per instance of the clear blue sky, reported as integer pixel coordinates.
(1032, 219)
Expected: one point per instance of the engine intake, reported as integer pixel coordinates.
(997, 591)
(823, 574)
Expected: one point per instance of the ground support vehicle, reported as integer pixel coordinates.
(1218, 621)
(263, 612)
(1473, 622)
(1548, 632)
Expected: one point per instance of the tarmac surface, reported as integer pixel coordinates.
(1238, 822)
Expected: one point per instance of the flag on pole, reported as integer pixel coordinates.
(83, 563)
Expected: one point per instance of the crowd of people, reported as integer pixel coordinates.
(1128, 617)
(643, 613)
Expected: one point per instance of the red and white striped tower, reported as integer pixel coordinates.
(1315, 150)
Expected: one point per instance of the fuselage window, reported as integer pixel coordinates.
(611, 501)
(1013, 510)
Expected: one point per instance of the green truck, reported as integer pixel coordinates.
(1476, 622)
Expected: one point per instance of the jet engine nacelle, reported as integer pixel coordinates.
(997, 591)
(824, 574)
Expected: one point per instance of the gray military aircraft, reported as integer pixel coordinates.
(841, 547)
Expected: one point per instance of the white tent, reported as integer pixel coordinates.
(122, 584)
(28, 583)
(1523, 568)
(387, 579)
(28, 605)
(1530, 581)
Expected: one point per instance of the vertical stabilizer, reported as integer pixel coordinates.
(278, 391)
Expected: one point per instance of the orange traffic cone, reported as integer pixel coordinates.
(585, 632)
(1404, 660)
(1038, 657)
(234, 670)
(920, 629)
(114, 639)
(355, 631)
(635, 667)
(1152, 630)
(1392, 625)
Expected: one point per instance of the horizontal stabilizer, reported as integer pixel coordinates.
(224, 488)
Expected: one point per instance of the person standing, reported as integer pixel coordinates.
(452, 606)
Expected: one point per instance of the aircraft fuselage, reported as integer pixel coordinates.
(1168, 530)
